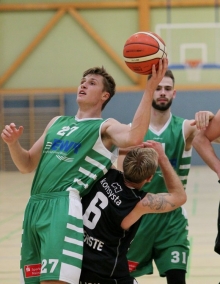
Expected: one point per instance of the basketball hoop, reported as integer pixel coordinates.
(193, 69)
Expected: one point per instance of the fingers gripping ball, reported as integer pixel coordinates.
(142, 50)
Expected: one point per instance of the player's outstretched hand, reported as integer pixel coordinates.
(10, 134)
(157, 75)
(202, 119)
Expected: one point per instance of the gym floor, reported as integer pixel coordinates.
(203, 193)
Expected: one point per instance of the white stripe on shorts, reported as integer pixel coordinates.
(69, 273)
(72, 254)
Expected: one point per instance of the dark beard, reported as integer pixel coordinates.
(161, 107)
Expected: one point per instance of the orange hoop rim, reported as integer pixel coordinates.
(193, 63)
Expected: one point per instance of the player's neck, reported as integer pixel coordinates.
(159, 118)
(88, 113)
(133, 185)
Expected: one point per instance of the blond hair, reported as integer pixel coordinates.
(140, 164)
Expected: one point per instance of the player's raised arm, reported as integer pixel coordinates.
(125, 135)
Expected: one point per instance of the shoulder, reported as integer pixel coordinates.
(114, 174)
(53, 120)
(108, 124)
(109, 121)
(177, 119)
(185, 124)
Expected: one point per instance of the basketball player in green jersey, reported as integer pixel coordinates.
(71, 154)
(163, 238)
(203, 145)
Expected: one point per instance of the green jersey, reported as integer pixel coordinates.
(73, 156)
(163, 238)
(173, 140)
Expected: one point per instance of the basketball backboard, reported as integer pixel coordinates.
(194, 48)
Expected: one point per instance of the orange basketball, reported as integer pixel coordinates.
(142, 50)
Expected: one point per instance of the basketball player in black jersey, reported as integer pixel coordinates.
(113, 208)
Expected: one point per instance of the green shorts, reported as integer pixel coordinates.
(52, 239)
(162, 238)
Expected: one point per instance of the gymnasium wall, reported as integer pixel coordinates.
(45, 44)
(67, 49)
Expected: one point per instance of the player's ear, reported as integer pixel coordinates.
(149, 179)
(105, 96)
(174, 94)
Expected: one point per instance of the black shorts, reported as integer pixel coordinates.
(88, 276)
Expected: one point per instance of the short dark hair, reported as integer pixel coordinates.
(168, 73)
(108, 81)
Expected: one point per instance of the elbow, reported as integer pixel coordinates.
(180, 197)
(135, 141)
(25, 171)
(198, 140)
(183, 198)
(29, 166)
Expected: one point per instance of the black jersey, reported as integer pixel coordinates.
(105, 242)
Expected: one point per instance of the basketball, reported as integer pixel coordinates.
(142, 50)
